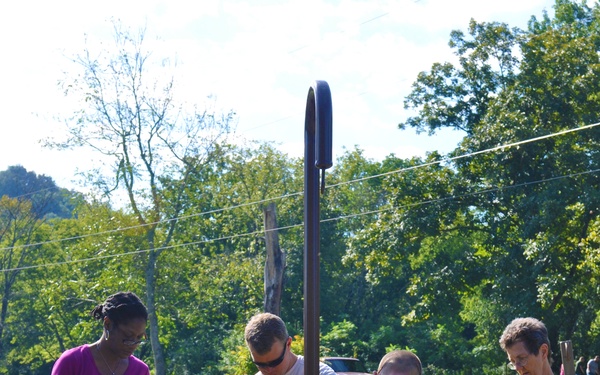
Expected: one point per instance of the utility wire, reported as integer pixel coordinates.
(407, 206)
(443, 160)
(208, 212)
(329, 186)
(290, 52)
(56, 189)
(155, 222)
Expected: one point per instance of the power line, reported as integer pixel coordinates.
(443, 160)
(54, 189)
(430, 201)
(155, 222)
(375, 18)
(405, 169)
(381, 15)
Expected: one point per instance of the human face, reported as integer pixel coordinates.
(526, 363)
(125, 338)
(274, 361)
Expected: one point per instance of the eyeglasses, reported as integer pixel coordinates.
(134, 342)
(520, 362)
(275, 362)
(130, 342)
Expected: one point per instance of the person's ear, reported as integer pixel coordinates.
(107, 323)
(544, 350)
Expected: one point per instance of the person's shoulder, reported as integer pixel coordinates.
(325, 369)
(71, 359)
(75, 353)
(138, 365)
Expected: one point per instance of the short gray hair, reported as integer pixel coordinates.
(530, 331)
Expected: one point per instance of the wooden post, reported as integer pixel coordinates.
(566, 353)
(274, 264)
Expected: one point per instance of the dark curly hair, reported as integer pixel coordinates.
(121, 308)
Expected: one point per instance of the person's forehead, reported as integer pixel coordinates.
(395, 371)
(133, 326)
(517, 349)
(275, 350)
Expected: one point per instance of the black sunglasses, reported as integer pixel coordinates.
(275, 362)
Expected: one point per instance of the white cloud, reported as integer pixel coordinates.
(257, 59)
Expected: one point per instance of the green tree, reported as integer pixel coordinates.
(81, 261)
(353, 200)
(222, 234)
(531, 207)
(410, 252)
(19, 238)
(129, 115)
(46, 198)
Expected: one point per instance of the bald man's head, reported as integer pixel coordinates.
(399, 362)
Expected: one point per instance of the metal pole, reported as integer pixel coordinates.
(317, 157)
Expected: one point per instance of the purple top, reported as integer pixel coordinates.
(80, 361)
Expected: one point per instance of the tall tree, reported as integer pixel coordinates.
(224, 235)
(533, 206)
(79, 262)
(128, 114)
(18, 247)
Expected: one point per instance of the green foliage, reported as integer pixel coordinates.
(150, 145)
(525, 212)
(47, 199)
(341, 341)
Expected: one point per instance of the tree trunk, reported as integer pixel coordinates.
(157, 350)
(5, 299)
(274, 264)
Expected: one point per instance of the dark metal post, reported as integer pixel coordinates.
(317, 157)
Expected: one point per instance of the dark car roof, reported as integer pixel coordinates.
(344, 358)
(345, 365)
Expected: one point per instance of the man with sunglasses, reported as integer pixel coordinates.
(525, 341)
(270, 347)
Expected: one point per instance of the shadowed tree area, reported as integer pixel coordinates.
(46, 198)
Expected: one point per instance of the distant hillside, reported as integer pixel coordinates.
(48, 200)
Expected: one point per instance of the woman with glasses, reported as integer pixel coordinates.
(124, 318)
(525, 341)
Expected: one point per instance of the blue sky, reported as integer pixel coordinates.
(257, 58)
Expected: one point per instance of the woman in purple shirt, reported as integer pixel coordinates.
(124, 319)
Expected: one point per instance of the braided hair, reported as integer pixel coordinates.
(121, 308)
